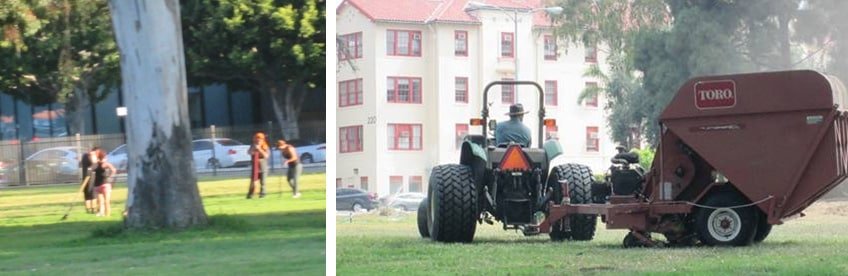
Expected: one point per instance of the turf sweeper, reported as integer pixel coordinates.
(737, 154)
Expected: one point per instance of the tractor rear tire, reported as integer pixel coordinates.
(726, 226)
(763, 229)
(423, 229)
(579, 178)
(453, 204)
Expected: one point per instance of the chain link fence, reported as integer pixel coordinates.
(56, 160)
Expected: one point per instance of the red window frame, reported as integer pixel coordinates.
(461, 131)
(507, 93)
(418, 181)
(350, 139)
(356, 52)
(551, 91)
(461, 94)
(350, 89)
(591, 55)
(395, 180)
(460, 45)
(592, 139)
(395, 131)
(591, 101)
(363, 182)
(550, 47)
(393, 96)
(510, 47)
(392, 48)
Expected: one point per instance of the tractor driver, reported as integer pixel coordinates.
(513, 130)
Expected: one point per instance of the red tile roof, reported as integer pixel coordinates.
(424, 11)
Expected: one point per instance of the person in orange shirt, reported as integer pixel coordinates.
(259, 152)
(289, 153)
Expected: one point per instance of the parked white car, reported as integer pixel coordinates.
(308, 154)
(228, 153)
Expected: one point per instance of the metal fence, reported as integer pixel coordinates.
(56, 160)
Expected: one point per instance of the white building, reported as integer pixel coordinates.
(411, 75)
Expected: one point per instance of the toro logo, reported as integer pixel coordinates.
(715, 94)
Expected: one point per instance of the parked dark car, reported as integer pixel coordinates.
(355, 199)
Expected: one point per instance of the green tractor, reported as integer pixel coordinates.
(509, 183)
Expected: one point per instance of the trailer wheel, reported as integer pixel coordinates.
(579, 178)
(453, 204)
(763, 229)
(726, 226)
(422, 218)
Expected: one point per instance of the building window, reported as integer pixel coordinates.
(551, 93)
(350, 92)
(591, 53)
(461, 132)
(507, 45)
(550, 48)
(351, 46)
(507, 93)
(404, 136)
(415, 184)
(593, 100)
(461, 85)
(350, 139)
(592, 140)
(363, 183)
(403, 90)
(551, 132)
(338, 182)
(395, 184)
(460, 43)
(403, 43)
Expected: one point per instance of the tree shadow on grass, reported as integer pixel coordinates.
(86, 233)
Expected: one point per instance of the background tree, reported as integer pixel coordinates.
(58, 51)
(162, 186)
(610, 24)
(272, 47)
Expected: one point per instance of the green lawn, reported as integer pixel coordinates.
(370, 244)
(261, 236)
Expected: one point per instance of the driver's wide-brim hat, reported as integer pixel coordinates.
(516, 109)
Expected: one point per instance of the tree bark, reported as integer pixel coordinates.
(76, 111)
(162, 186)
(287, 101)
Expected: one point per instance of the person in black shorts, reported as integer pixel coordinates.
(88, 190)
(293, 173)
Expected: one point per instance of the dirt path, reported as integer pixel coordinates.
(833, 207)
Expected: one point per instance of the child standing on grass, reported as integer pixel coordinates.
(88, 189)
(259, 152)
(293, 173)
(103, 172)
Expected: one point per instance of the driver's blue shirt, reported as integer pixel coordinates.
(512, 131)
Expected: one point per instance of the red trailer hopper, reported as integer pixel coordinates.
(737, 154)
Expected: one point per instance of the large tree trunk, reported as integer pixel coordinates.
(76, 110)
(162, 183)
(287, 101)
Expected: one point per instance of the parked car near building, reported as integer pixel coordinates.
(405, 201)
(355, 199)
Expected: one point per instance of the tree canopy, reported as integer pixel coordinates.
(57, 51)
(654, 46)
(273, 47)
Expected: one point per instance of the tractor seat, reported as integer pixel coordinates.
(629, 157)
